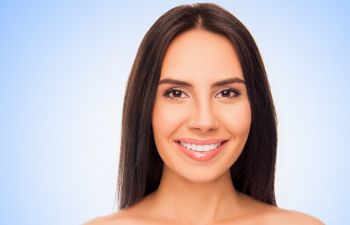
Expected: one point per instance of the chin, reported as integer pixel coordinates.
(203, 174)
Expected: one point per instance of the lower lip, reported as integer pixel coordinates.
(200, 156)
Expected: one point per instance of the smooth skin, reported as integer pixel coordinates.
(192, 192)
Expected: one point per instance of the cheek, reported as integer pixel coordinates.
(237, 118)
(166, 118)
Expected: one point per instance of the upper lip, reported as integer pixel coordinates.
(201, 142)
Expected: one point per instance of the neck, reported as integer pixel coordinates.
(201, 203)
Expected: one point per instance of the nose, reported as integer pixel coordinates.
(203, 119)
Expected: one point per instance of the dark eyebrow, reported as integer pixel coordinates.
(216, 84)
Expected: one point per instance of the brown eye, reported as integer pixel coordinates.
(229, 93)
(175, 93)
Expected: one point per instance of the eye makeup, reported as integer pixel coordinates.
(179, 93)
(230, 91)
(174, 93)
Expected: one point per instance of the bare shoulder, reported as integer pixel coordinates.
(118, 218)
(134, 215)
(273, 215)
(290, 217)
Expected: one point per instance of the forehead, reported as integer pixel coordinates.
(200, 55)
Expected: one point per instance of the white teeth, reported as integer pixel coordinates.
(200, 148)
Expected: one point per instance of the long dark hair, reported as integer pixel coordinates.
(140, 166)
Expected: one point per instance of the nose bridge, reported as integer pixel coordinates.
(203, 116)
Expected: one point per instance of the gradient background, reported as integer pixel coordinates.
(63, 70)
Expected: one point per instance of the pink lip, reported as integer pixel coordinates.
(200, 156)
(200, 142)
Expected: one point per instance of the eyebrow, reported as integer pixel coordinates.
(216, 84)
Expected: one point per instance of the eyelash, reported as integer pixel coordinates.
(173, 90)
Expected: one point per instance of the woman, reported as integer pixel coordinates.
(199, 130)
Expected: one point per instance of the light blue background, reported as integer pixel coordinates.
(63, 69)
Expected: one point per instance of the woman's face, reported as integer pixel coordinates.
(201, 116)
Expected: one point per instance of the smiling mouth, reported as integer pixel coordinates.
(201, 147)
(201, 151)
